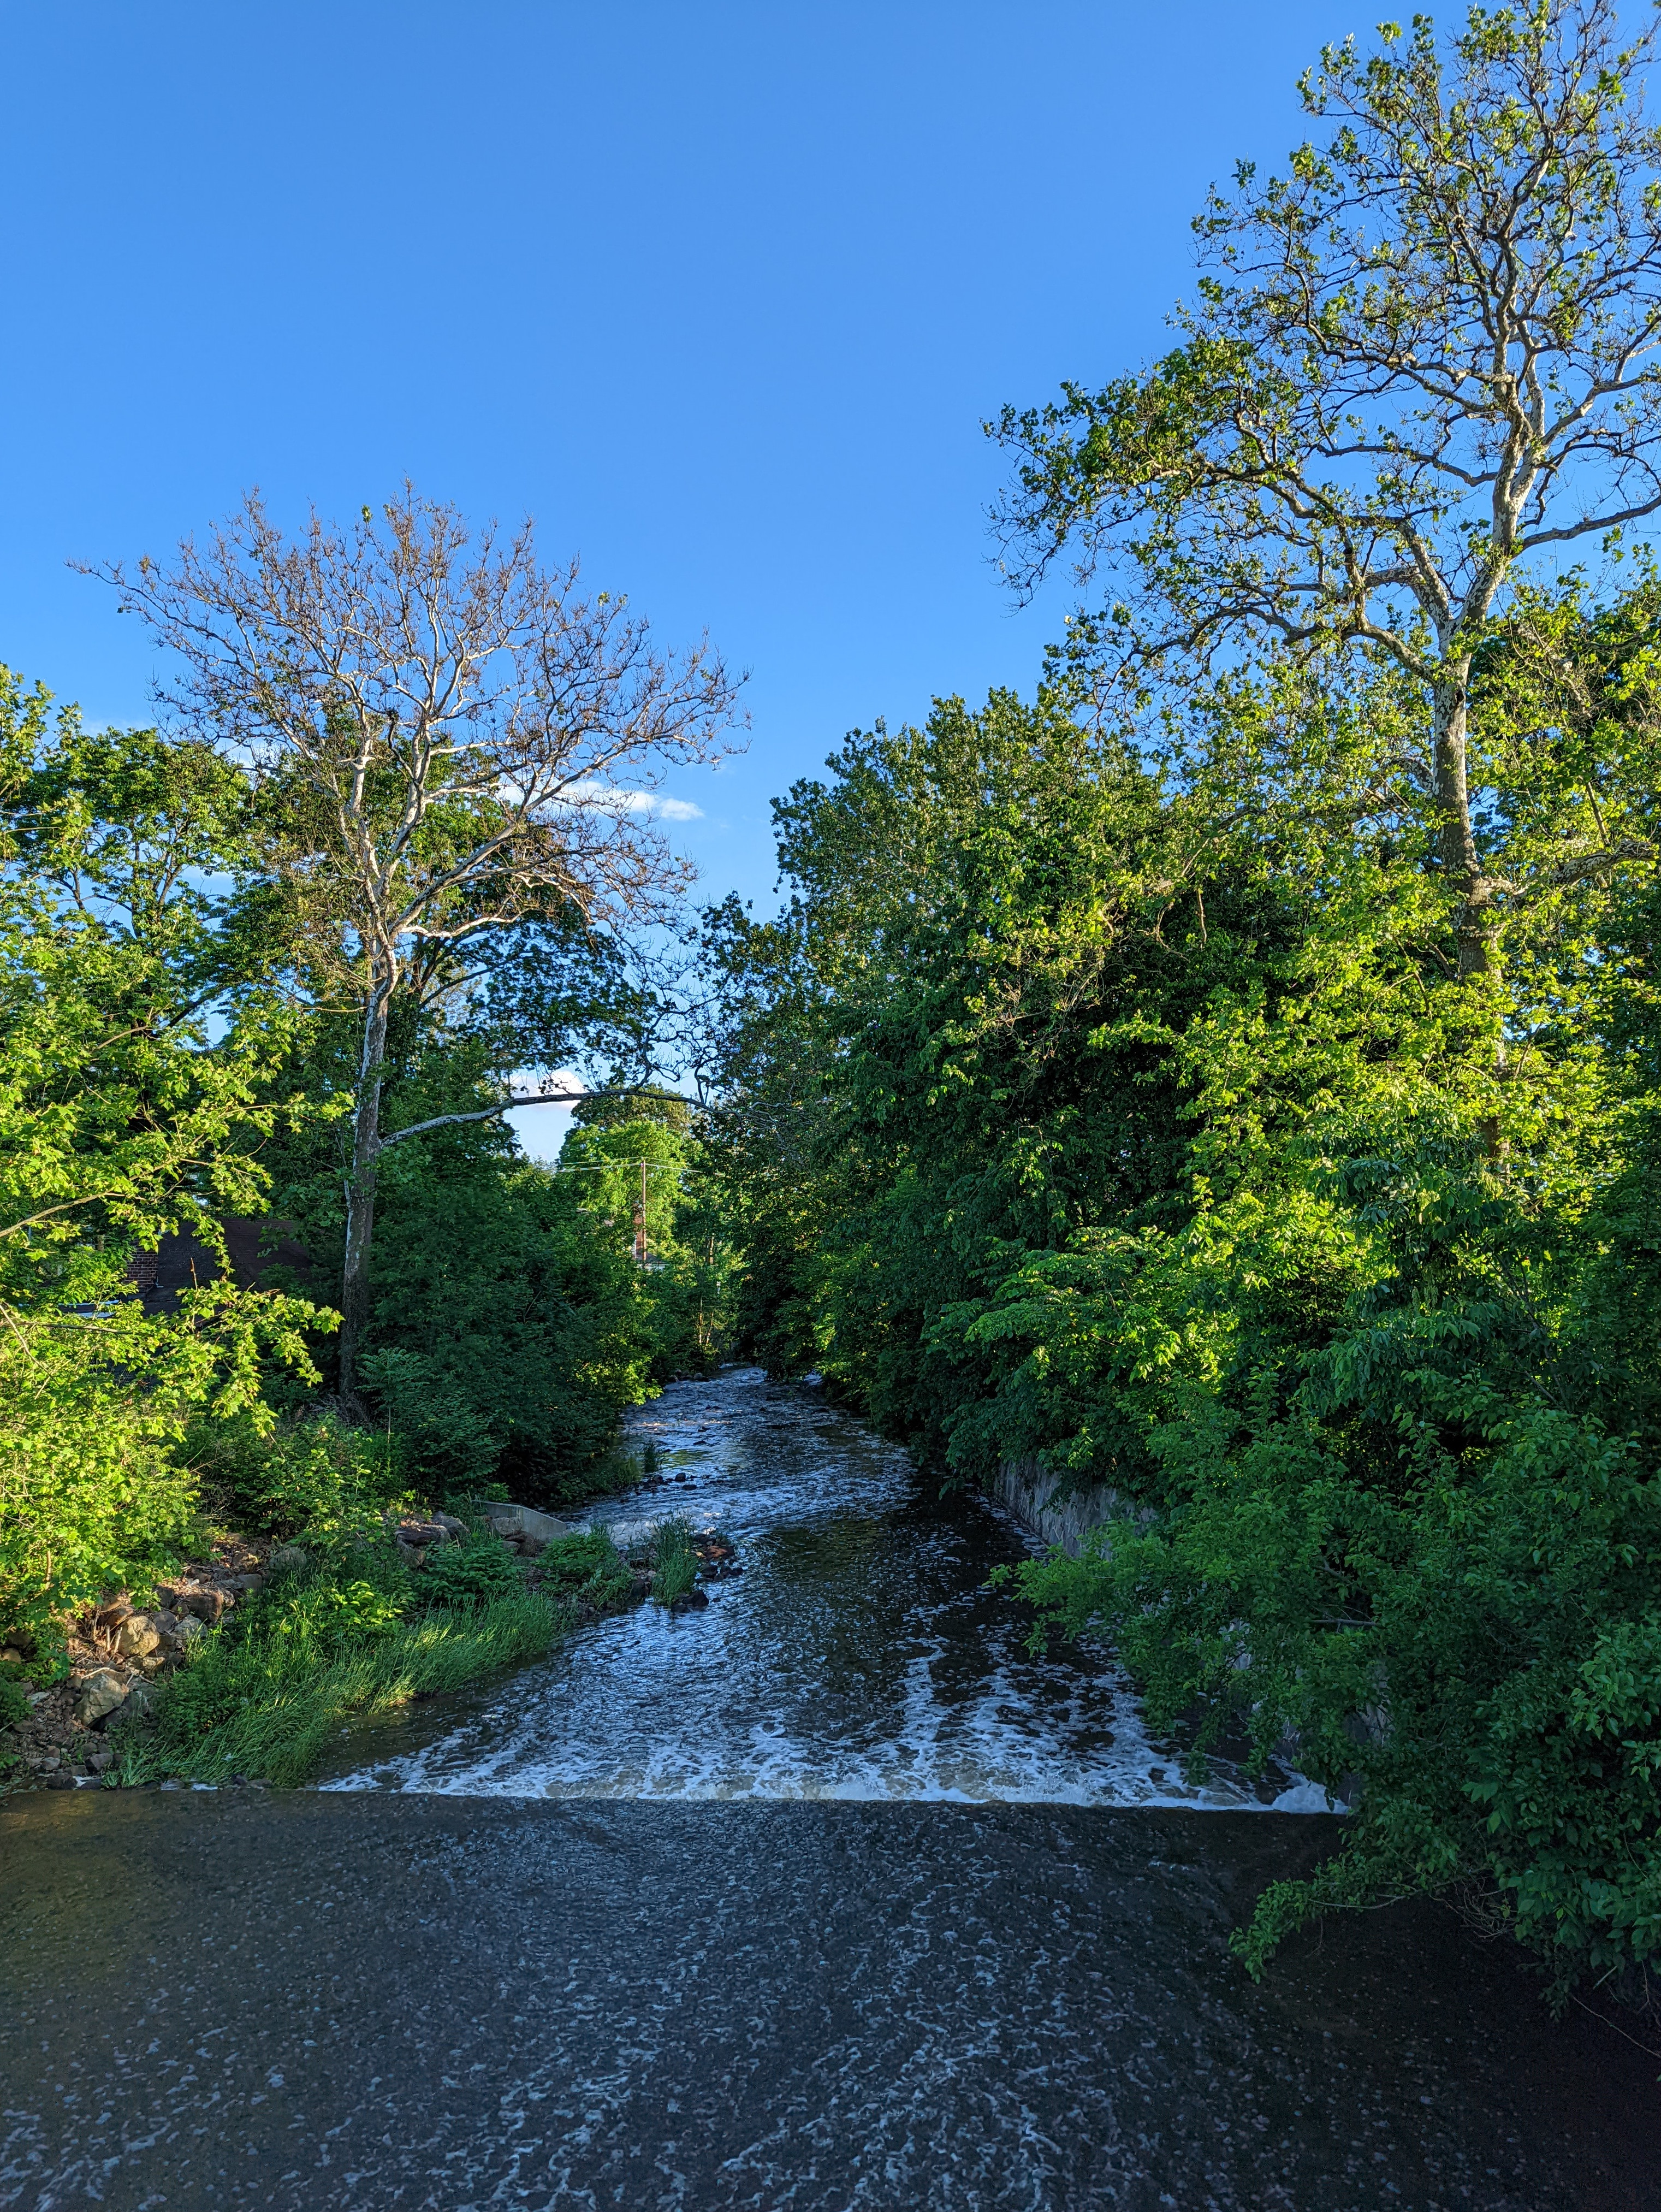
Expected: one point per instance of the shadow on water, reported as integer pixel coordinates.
(859, 1654)
(585, 1940)
(369, 1999)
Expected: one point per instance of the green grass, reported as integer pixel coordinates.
(586, 1567)
(268, 1695)
(675, 1561)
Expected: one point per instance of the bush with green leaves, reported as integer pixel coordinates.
(586, 1567)
(309, 1474)
(472, 1572)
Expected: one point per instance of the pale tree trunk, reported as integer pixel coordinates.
(1456, 842)
(1462, 864)
(361, 1197)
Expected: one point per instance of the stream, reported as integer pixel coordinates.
(858, 1654)
(829, 1897)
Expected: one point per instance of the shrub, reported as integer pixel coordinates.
(477, 1572)
(312, 1476)
(97, 1486)
(586, 1567)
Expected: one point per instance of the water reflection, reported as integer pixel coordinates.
(859, 1655)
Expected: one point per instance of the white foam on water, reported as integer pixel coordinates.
(856, 1658)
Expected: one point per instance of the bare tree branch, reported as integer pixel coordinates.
(449, 739)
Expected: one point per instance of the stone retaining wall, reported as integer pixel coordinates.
(1028, 1490)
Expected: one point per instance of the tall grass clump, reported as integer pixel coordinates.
(674, 1561)
(337, 1641)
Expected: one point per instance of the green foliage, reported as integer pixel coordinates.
(510, 1325)
(1128, 1109)
(268, 1694)
(313, 1475)
(119, 1122)
(675, 1564)
(471, 1573)
(13, 1700)
(168, 1058)
(586, 1567)
(94, 1409)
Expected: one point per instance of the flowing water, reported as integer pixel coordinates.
(858, 1654)
(602, 1935)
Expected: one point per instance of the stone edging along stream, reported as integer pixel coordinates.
(1038, 1500)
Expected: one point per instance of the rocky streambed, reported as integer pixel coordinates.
(839, 1642)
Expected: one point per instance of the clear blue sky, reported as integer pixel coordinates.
(719, 293)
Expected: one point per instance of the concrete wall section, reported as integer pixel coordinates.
(1038, 1501)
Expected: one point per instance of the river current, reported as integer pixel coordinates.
(857, 1655)
(829, 1896)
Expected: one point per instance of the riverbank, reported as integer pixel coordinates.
(245, 1665)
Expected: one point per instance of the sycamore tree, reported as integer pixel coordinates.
(1417, 368)
(452, 743)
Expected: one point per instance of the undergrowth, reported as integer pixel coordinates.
(338, 1641)
(586, 1568)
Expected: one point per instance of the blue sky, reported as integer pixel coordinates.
(719, 293)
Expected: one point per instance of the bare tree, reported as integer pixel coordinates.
(1428, 354)
(463, 741)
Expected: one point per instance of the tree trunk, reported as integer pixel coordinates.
(361, 1200)
(1462, 864)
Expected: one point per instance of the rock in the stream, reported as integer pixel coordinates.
(100, 1693)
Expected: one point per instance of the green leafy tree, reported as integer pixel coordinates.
(1137, 1131)
(120, 1121)
(1420, 362)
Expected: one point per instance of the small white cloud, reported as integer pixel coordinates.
(615, 799)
